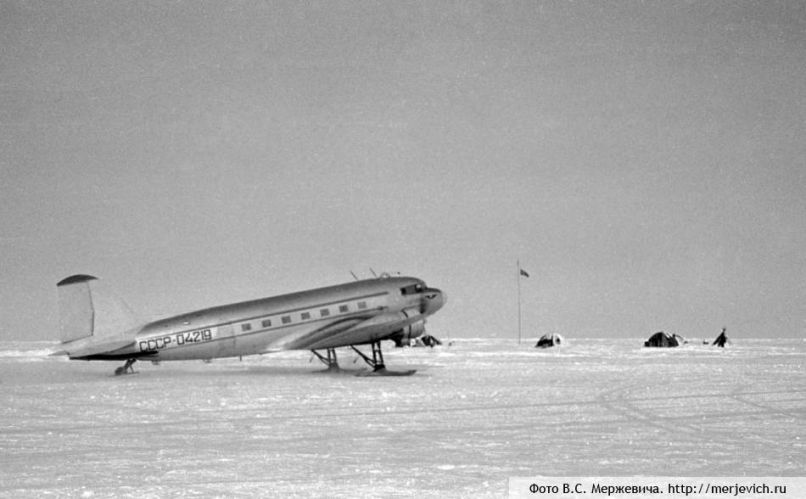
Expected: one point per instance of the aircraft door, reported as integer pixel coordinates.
(227, 340)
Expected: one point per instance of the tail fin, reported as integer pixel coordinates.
(85, 310)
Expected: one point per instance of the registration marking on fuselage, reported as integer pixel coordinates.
(177, 339)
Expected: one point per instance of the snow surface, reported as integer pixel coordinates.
(476, 413)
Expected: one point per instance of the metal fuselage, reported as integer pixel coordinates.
(354, 313)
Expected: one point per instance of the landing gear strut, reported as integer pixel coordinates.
(126, 368)
(377, 364)
(330, 361)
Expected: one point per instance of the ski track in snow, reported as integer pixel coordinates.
(475, 414)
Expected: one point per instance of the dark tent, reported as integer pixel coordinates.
(549, 340)
(430, 341)
(721, 339)
(425, 340)
(664, 340)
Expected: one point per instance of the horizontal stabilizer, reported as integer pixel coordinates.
(89, 348)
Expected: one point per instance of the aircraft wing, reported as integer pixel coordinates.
(352, 331)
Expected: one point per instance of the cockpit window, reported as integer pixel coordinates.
(412, 289)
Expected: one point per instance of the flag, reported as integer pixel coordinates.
(524, 273)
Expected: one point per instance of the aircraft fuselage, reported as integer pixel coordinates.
(354, 313)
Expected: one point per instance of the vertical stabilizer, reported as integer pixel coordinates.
(86, 310)
(76, 315)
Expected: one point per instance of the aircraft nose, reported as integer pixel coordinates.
(434, 299)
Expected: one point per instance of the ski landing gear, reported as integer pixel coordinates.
(126, 368)
(330, 361)
(376, 363)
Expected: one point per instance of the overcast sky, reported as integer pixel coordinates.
(643, 160)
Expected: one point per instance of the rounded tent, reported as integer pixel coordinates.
(663, 340)
(550, 340)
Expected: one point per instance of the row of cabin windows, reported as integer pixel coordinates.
(286, 319)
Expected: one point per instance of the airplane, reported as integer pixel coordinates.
(96, 326)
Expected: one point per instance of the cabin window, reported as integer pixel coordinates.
(266, 323)
(305, 316)
(286, 319)
(362, 305)
(343, 308)
(246, 327)
(324, 312)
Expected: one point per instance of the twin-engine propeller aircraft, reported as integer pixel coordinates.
(320, 320)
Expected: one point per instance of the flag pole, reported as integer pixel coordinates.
(518, 276)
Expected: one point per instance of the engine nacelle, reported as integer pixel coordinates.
(403, 337)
